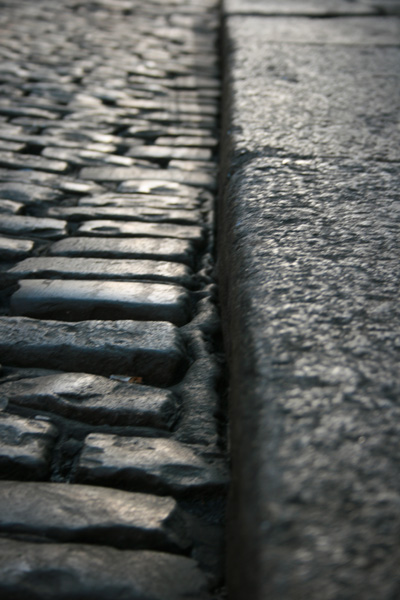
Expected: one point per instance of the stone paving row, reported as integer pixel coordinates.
(112, 466)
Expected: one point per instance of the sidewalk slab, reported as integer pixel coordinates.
(308, 266)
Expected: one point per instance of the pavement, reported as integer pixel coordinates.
(113, 459)
(143, 297)
(308, 251)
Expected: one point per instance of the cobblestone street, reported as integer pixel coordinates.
(112, 427)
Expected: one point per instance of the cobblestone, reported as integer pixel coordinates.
(66, 571)
(169, 249)
(161, 466)
(97, 268)
(25, 447)
(91, 514)
(94, 399)
(108, 133)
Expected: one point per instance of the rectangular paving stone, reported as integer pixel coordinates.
(25, 447)
(32, 571)
(169, 152)
(167, 249)
(134, 173)
(94, 399)
(161, 187)
(152, 350)
(10, 207)
(137, 229)
(85, 299)
(133, 200)
(35, 226)
(131, 213)
(14, 249)
(27, 193)
(157, 465)
(98, 268)
(88, 514)
(199, 141)
(30, 161)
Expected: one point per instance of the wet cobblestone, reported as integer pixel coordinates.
(112, 434)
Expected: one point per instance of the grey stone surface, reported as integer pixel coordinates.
(135, 173)
(94, 399)
(321, 100)
(158, 465)
(310, 281)
(27, 192)
(65, 571)
(21, 225)
(168, 249)
(152, 350)
(10, 207)
(140, 200)
(126, 214)
(312, 8)
(156, 186)
(14, 249)
(89, 514)
(374, 31)
(98, 268)
(27, 161)
(77, 299)
(169, 152)
(135, 229)
(25, 447)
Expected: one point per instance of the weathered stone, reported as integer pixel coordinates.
(10, 207)
(168, 249)
(169, 152)
(89, 514)
(28, 161)
(25, 447)
(131, 213)
(14, 249)
(307, 8)
(69, 571)
(158, 465)
(163, 187)
(200, 141)
(137, 229)
(82, 299)
(98, 268)
(86, 157)
(141, 200)
(152, 350)
(94, 399)
(21, 225)
(126, 174)
(27, 192)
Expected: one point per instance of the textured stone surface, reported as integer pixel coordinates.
(21, 225)
(138, 248)
(14, 249)
(132, 229)
(66, 571)
(152, 350)
(146, 214)
(77, 299)
(312, 8)
(89, 514)
(135, 173)
(97, 268)
(94, 399)
(158, 465)
(310, 283)
(25, 447)
(319, 99)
